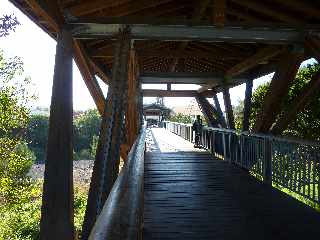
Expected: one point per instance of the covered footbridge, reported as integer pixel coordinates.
(230, 190)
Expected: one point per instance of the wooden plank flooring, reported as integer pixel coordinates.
(189, 195)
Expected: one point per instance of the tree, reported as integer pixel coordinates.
(8, 23)
(307, 122)
(86, 126)
(37, 135)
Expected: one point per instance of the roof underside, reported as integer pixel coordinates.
(166, 56)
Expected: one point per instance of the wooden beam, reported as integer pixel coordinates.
(219, 111)
(34, 5)
(219, 12)
(269, 11)
(228, 107)
(197, 15)
(286, 71)
(106, 166)
(247, 106)
(297, 105)
(81, 60)
(57, 199)
(207, 110)
(173, 93)
(104, 73)
(261, 56)
(208, 33)
(132, 114)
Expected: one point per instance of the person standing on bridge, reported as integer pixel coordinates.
(197, 128)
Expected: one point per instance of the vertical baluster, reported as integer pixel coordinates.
(309, 172)
(267, 177)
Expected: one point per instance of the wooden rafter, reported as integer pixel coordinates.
(197, 15)
(265, 9)
(133, 7)
(262, 55)
(301, 6)
(87, 7)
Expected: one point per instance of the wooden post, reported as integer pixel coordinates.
(279, 87)
(57, 200)
(219, 111)
(106, 165)
(228, 106)
(267, 174)
(247, 106)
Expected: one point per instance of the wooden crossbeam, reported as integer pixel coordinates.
(286, 71)
(174, 93)
(262, 55)
(219, 12)
(265, 9)
(244, 34)
(297, 105)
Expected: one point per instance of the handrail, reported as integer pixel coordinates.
(270, 137)
(291, 164)
(122, 214)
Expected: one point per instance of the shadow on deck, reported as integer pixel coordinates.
(190, 195)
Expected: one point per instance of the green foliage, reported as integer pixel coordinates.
(181, 118)
(86, 126)
(37, 135)
(94, 145)
(238, 115)
(307, 122)
(21, 221)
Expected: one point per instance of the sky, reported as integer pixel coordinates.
(37, 49)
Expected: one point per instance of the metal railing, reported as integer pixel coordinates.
(290, 164)
(122, 214)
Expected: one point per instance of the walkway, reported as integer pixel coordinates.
(190, 195)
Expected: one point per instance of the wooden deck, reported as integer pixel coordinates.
(190, 195)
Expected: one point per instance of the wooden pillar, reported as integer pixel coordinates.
(286, 71)
(228, 107)
(297, 104)
(247, 105)
(106, 167)
(219, 111)
(57, 199)
(133, 113)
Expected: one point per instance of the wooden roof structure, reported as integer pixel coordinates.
(206, 42)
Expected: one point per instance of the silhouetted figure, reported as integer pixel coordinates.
(197, 128)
